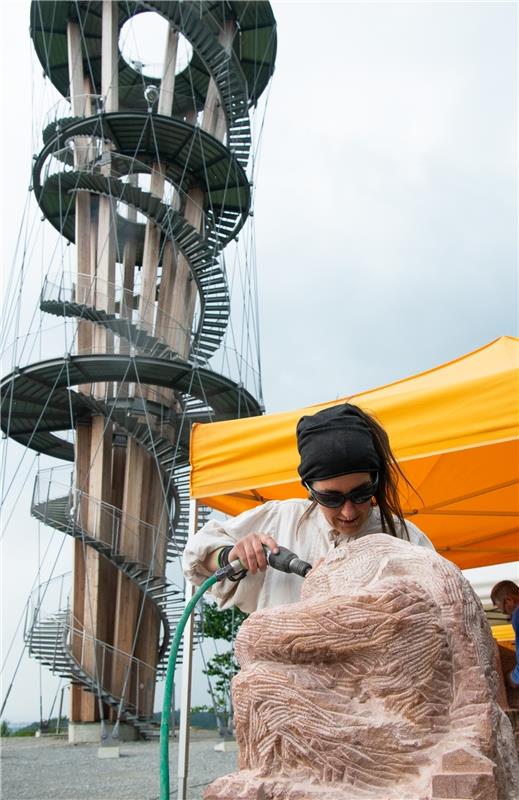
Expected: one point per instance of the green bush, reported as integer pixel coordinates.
(28, 730)
(48, 727)
(223, 666)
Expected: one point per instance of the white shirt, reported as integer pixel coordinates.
(279, 518)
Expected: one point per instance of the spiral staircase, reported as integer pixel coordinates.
(139, 368)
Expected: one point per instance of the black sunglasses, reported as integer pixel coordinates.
(336, 499)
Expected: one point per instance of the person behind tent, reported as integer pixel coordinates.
(505, 597)
(351, 475)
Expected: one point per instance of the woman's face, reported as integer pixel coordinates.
(348, 518)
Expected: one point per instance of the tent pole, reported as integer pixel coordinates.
(187, 669)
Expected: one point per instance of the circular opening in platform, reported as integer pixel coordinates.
(142, 42)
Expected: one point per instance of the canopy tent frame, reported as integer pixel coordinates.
(454, 430)
(472, 400)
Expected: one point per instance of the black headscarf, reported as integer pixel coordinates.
(335, 441)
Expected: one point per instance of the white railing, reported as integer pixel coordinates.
(45, 599)
(88, 154)
(110, 670)
(127, 536)
(126, 305)
(52, 483)
(86, 105)
(112, 298)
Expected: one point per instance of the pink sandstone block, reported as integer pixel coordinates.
(381, 683)
(469, 786)
(466, 759)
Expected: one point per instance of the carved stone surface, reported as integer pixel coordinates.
(380, 684)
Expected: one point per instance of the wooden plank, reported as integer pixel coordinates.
(128, 599)
(146, 651)
(99, 590)
(105, 274)
(165, 322)
(152, 239)
(75, 69)
(129, 596)
(167, 86)
(184, 288)
(80, 103)
(110, 55)
(82, 465)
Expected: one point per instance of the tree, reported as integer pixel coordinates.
(5, 730)
(219, 624)
(222, 667)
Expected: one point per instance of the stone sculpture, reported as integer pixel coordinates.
(380, 684)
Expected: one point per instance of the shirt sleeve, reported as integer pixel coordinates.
(216, 534)
(417, 537)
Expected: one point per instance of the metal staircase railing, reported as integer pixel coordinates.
(89, 302)
(57, 504)
(48, 386)
(62, 643)
(60, 175)
(224, 67)
(56, 179)
(231, 76)
(141, 327)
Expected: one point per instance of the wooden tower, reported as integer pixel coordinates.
(149, 179)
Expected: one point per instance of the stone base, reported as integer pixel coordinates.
(90, 732)
(473, 785)
(227, 746)
(246, 785)
(108, 752)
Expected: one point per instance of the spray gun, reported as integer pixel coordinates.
(285, 561)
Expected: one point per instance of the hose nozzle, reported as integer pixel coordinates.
(284, 560)
(287, 561)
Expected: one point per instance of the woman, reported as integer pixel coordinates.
(351, 476)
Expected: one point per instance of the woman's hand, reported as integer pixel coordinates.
(249, 551)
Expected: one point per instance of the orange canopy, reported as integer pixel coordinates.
(454, 430)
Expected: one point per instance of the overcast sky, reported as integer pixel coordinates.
(386, 209)
(385, 212)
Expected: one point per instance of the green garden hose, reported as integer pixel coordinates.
(168, 691)
(281, 559)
